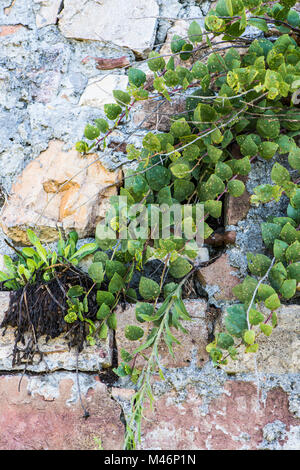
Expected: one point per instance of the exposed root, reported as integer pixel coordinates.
(38, 310)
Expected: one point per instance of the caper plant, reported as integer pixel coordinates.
(238, 92)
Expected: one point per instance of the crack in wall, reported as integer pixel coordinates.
(9, 7)
(60, 9)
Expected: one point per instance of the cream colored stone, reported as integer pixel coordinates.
(99, 90)
(180, 28)
(57, 355)
(43, 198)
(124, 23)
(278, 353)
(47, 13)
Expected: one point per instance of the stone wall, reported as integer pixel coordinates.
(196, 406)
(51, 85)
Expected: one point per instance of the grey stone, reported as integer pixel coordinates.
(43, 76)
(17, 12)
(191, 10)
(207, 381)
(203, 255)
(131, 24)
(248, 231)
(47, 386)
(274, 431)
(169, 9)
(292, 439)
(205, 6)
(252, 33)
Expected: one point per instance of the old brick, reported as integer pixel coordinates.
(236, 208)
(192, 343)
(6, 30)
(220, 274)
(233, 421)
(46, 414)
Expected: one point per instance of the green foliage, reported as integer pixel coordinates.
(160, 318)
(133, 333)
(237, 98)
(30, 262)
(260, 300)
(149, 289)
(236, 320)
(136, 77)
(180, 268)
(112, 111)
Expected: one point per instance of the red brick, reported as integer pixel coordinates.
(237, 208)
(6, 30)
(195, 340)
(32, 421)
(234, 420)
(219, 273)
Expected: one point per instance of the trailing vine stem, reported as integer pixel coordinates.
(144, 386)
(256, 289)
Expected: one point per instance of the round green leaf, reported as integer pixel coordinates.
(112, 111)
(136, 77)
(224, 341)
(103, 312)
(96, 272)
(249, 336)
(148, 288)
(266, 329)
(133, 333)
(180, 268)
(91, 132)
(255, 317)
(121, 97)
(143, 308)
(272, 302)
(235, 188)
